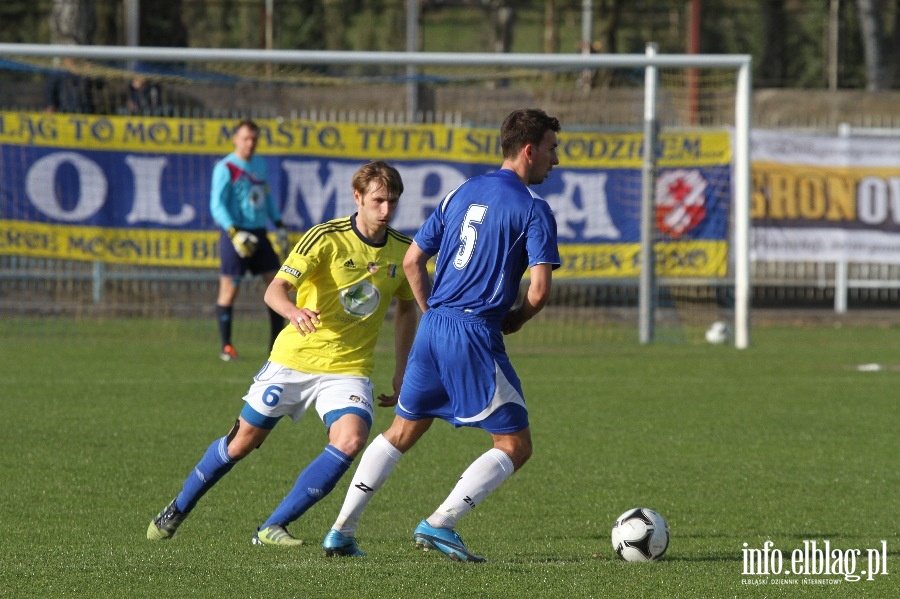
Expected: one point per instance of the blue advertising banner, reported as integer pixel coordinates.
(134, 190)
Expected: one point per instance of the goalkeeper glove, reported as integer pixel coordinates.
(281, 240)
(244, 242)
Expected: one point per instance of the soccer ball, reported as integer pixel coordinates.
(717, 333)
(640, 535)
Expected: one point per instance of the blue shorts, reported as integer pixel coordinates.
(458, 371)
(264, 259)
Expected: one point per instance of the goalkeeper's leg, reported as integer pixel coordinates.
(228, 291)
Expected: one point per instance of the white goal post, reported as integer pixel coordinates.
(739, 64)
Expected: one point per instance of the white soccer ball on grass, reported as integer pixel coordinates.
(640, 535)
(717, 333)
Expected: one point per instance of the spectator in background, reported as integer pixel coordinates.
(144, 98)
(68, 92)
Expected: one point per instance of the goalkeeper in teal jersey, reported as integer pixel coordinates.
(345, 274)
(241, 205)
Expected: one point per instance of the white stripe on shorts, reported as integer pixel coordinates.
(504, 393)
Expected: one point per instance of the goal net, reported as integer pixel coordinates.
(106, 156)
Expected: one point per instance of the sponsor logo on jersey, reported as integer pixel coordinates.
(360, 300)
(291, 271)
(349, 264)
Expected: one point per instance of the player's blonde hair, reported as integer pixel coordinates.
(383, 173)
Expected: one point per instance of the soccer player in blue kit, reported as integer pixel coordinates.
(485, 233)
(241, 205)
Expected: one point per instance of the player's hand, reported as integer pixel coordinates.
(282, 242)
(512, 322)
(305, 321)
(388, 401)
(244, 242)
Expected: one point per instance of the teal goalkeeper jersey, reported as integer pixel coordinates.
(352, 283)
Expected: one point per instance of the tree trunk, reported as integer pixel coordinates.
(334, 31)
(894, 45)
(872, 32)
(73, 22)
(771, 70)
(161, 24)
(504, 17)
(551, 29)
(608, 15)
(609, 12)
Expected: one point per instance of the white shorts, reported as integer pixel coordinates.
(281, 391)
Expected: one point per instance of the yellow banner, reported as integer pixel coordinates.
(148, 247)
(349, 141)
(200, 249)
(825, 195)
(673, 259)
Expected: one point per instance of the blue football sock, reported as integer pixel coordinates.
(315, 482)
(214, 464)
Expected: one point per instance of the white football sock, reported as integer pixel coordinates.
(376, 463)
(483, 476)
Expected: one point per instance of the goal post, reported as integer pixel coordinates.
(424, 90)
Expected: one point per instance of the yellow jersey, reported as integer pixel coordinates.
(351, 281)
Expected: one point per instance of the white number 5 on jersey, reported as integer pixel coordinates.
(468, 235)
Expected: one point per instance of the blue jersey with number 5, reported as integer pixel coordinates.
(486, 233)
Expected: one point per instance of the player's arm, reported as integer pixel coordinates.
(535, 298)
(405, 320)
(282, 245)
(217, 193)
(417, 274)
(244, 241)
(278, 297)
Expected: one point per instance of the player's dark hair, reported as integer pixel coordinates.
(383, 173)
(249, 124)
(523, 127)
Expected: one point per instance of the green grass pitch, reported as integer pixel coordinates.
(787, 441)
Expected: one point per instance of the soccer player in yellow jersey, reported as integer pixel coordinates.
(345, 273)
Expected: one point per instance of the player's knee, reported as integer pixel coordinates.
(523, 454)
(519, 450)
(233, 432)
(240, 447)
(238, 450)
(352, 444)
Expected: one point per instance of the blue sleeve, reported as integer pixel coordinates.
(541, 243)
(218, 196)
(430, 235)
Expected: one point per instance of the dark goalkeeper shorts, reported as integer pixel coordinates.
(264, 259)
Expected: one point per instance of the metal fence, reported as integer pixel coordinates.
(841, 286)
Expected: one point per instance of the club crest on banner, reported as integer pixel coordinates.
(680, 201)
